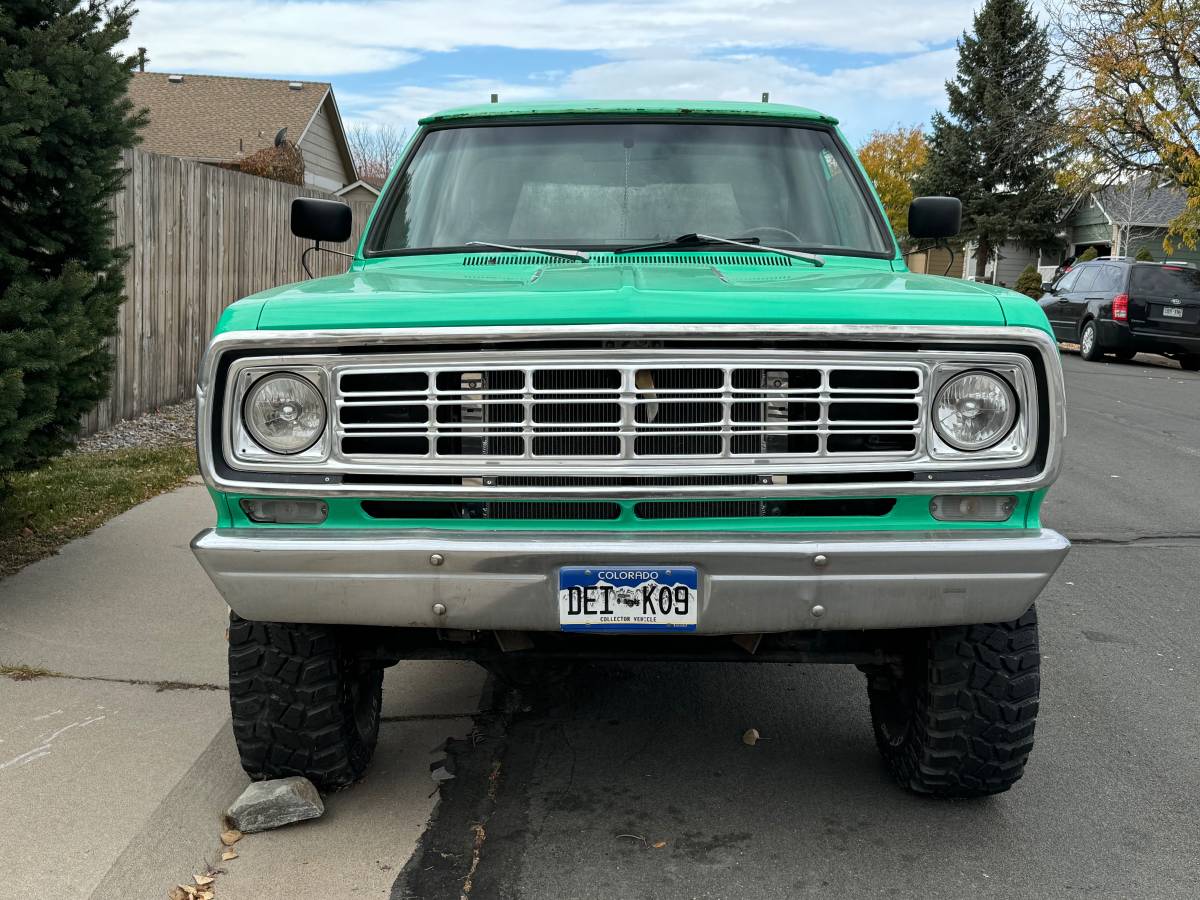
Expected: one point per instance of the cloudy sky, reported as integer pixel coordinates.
(872, 63)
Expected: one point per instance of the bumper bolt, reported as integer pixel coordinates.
(820, 560)
(818, 611)
(436, 559)
(439, 609)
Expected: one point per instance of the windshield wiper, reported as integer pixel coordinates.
(695, 240)
(581, 255)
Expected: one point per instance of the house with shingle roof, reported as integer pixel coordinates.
(1117, 219)
(218, 119)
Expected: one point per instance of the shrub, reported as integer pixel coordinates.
(1088, 254)
(1029, 282)
(64, 121)
(1144, 255)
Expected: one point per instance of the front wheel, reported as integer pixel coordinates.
(956, 718)
(301, 704)
(1089, 343)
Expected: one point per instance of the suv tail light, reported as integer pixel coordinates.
(1120, 309)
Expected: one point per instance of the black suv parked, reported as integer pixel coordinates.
(1122, 307)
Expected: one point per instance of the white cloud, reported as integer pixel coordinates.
(687, 49)
(339, 36)
(901, 91)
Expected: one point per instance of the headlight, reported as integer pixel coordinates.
(974, 410)
(284, 413)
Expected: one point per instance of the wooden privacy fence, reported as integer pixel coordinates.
(199, 237)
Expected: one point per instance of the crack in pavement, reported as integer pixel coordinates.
(160, 686)
(1094, 539)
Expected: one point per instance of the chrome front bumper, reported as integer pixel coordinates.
(749, 582)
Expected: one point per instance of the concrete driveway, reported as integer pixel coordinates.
(113, 774)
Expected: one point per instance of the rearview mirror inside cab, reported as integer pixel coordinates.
(934, 217)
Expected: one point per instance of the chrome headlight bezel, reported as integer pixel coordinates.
(1013, 413)
(248, 447)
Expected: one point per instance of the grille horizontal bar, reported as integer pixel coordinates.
(639, 410)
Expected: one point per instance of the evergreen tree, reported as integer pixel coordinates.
(999, 145)
(1144, 255)
(64, 120)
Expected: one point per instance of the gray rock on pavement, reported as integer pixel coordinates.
(270, 804)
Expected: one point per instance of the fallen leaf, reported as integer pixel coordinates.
(205, 895)
(187, 889)
(177, 893)
(751, 737)
(228, 855)
(230, 837)
(202, 880)
(658, 845)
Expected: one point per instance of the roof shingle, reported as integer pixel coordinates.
(1145, 200)
(213, 117)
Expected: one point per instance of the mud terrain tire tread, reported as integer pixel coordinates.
(300, 706)
(967, 707)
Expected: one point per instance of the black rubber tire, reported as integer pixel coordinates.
(301, 705)
(957, 719)
(1091, 352)
(1190, 363)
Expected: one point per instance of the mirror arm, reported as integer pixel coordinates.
(317, 247)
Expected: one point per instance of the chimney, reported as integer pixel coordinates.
(141, 59)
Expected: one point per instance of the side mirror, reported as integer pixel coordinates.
(1047, 287)
(323, 221)
(934, 217)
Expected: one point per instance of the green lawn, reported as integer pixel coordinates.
(70, 496)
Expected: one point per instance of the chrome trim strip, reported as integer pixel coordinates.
(422, 338)
(933, 369)
(749, 582)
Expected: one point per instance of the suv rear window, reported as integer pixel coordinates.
(1165, 281)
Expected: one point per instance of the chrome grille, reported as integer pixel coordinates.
(637, 408)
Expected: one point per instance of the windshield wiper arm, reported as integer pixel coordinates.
(581, 255)
(813, 258)
(694, 240)
(684, 240)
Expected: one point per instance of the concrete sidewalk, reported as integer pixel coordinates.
(114, 772)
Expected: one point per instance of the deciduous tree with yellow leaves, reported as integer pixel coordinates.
(893, 159)
(1135, 99)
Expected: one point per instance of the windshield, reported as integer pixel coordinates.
(614, 184)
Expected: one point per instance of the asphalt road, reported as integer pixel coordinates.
(633, 782)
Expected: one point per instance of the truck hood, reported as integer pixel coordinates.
(379, 296)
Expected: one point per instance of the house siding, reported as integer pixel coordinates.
(359, 193)
(1011, 262)
(322, 160)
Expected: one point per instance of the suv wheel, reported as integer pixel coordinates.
(1089, 342)
(301, 705)
(957, 718)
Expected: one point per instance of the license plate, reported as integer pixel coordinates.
(1173, 312)
(628, 598)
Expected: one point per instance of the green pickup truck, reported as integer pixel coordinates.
(632, 380)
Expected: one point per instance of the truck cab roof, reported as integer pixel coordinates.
(570, 108)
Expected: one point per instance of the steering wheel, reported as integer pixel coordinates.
(791, 234)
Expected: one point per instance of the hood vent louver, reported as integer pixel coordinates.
(635, 259)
